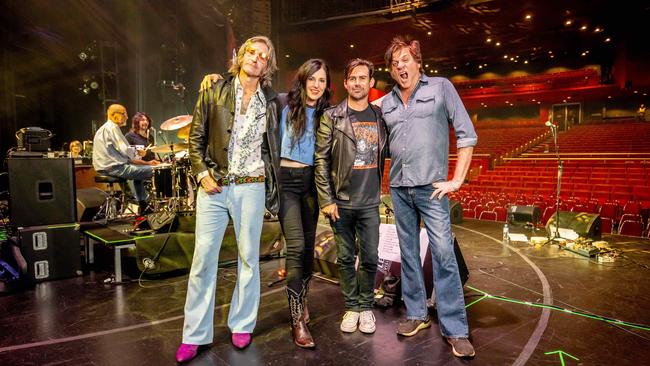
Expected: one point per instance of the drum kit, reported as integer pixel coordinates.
(172, 184)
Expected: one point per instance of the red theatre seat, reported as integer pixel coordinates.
(631, 228)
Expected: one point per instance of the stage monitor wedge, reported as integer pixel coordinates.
(582, 224)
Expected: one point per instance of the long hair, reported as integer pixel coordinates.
(135, 121)
(271, 64)
(297, 98)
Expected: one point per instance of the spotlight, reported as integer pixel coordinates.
(83, 56)
(94, 85)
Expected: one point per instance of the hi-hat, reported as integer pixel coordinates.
(162, 149)
(176, 122)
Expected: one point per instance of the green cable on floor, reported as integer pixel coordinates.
(557, 308)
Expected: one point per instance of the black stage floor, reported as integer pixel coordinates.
(83, 321)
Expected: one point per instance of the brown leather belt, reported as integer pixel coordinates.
(225, 181)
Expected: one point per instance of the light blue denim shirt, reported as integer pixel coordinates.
(303, 150)
(418, 136)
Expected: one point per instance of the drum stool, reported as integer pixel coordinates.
(109, 208)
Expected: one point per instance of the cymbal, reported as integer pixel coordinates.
(162, 149)
(176, 122)
(184, 133)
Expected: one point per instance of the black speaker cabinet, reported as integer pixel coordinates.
(455, 212)
(41, 191)
(89, 201)
(522, 215)
(51, 252)
(584, 224)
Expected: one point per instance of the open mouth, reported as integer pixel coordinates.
(404, 75)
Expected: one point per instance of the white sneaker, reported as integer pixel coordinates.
(350, 321)
(367, 322)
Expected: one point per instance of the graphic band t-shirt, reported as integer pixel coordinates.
(364, 179)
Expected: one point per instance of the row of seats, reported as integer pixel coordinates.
(628, 219)
(610, 137)
(581, 77)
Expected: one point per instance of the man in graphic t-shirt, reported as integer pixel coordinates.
(350, 145)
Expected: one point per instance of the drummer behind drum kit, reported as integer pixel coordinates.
(172, 184)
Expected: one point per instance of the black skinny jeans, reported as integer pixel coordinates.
(298, 216)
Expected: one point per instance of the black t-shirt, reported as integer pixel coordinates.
(135, 138)
(364, 179)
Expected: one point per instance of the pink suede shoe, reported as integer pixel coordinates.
(241, 340)
(186, 352)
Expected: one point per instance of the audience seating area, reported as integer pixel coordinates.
(614, 138)
(609, 175)
(529, 83)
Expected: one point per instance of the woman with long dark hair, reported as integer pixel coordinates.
(299, 210)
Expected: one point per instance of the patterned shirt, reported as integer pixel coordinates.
(245, 149)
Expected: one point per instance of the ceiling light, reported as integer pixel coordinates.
(488, 40)
(607, 39)
(455, 67)
(609, 97)
(498, 44)
(533, 100)
(550, 51)
(539, 102)
(525, 61)
(435, 71)
(583, 54)
(505, 56)
(598, 30)
(512, 58)
(636, 91)
(480, 66)
(427, 65)
(287, 55)
(583, 28)
(528, 16)
(568, 22)
(351, 46)
(428, 33)
(552, 56)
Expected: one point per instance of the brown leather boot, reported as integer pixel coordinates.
(299, 330)
(305, 292)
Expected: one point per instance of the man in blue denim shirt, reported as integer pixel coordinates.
(418, 112)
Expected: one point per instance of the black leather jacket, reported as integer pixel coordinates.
(211, 130)
(336, 149)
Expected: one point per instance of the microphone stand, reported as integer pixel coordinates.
(556, 234)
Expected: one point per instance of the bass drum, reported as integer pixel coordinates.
(162, 181)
